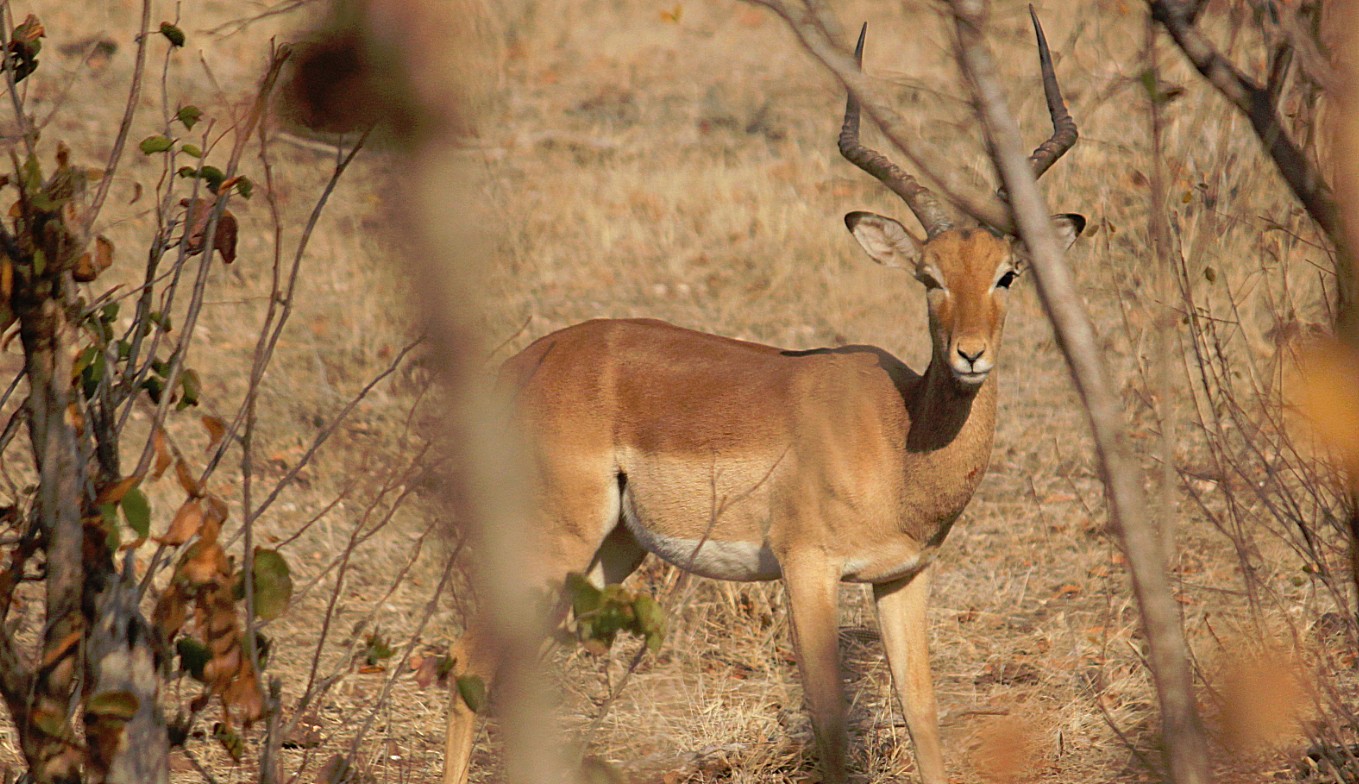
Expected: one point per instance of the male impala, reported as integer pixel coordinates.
(828, 465)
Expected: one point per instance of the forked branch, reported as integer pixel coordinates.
(1258, 103)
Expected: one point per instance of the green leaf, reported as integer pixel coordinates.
(93, 374)
(273, 584)
(213, 176)
(109, 312)
(378, 649)
(193, 656)
(172, 34)
(232, 742)
(245, 187)
(154, 387)
(39, 261)
(585, 597)
(112, 538)
(650, 621)
(190, 386)
(116, 705)
(191, 150)
(86, 357)
(32, 175)
(154, 144)
(472, 689)
(137, 512)
(189, 115)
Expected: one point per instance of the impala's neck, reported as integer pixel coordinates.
(945, 416)
(947, 449)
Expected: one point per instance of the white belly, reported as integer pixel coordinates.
(741, 561)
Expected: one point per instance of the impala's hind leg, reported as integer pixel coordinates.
(581, 532)
(618, 557)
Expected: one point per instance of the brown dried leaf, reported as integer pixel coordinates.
(186, 479)
(306, 735)
(216, 431)
(188, 520)
(204, 563)
(112, 494)
(226, 237)
(163, 456)
(426, 671)
(170, 613)
(198, 212)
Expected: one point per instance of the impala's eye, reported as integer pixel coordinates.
(1006, 279)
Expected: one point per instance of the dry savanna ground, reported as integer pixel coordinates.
(677, 160)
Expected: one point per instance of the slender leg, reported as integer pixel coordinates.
(618, 557)
(905, 635)
(474, 654)
(471, 656)
(812, 586)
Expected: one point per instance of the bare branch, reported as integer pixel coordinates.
(133, 98)
(1183, 734)
(1258, 104)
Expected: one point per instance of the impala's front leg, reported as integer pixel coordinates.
(812, 588)
(905, 636)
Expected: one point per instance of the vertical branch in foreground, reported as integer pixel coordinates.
(420, 89)
(1182, 730)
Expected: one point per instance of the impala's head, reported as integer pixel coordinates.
(967, 273)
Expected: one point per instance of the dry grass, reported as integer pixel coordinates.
(686, 170)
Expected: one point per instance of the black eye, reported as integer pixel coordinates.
(1006, 280)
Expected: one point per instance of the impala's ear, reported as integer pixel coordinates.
(886, 241)
(1068, 227)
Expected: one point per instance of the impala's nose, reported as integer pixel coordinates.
(971, 354)
(970, 363)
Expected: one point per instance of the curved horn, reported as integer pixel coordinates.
(1063, 127)
(919, 198)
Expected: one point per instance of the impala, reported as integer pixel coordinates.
(827, 465)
